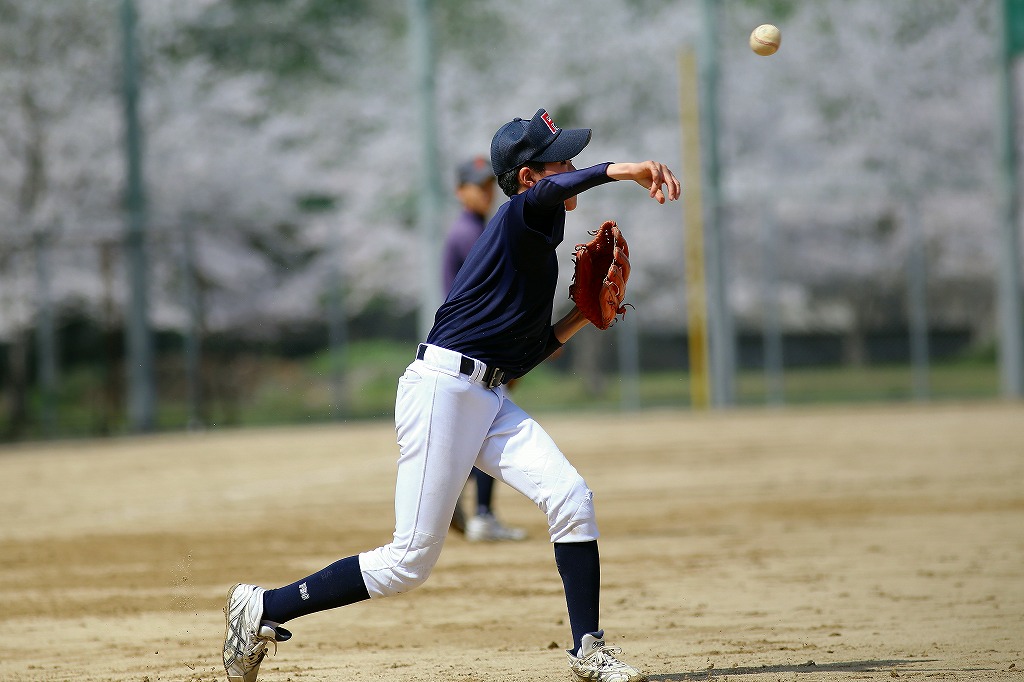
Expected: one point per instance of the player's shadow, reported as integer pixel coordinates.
(810, 666)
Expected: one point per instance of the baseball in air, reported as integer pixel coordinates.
(765, 39)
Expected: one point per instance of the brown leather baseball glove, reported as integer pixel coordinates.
(599, 278)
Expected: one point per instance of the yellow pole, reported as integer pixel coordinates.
(693, 230)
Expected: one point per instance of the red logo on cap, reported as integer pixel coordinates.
(551, 124)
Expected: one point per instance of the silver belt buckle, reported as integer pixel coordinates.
(496, 376)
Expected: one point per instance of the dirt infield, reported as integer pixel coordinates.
(855, 544)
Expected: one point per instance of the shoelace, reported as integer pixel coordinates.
(604, 657)
(259, 650)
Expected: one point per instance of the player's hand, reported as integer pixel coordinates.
(654, 176)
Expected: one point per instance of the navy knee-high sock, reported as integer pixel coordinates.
(339, 584)
(484, 491)
(579, 564)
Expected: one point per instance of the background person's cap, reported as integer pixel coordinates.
(475, 171)
(539, 139)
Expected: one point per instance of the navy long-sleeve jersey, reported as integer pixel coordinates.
(500, 306)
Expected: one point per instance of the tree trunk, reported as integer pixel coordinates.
(17, 400)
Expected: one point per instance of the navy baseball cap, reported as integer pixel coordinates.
(539, 139)
(475, 171)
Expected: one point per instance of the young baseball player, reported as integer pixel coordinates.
(474, 189)
(452, 411)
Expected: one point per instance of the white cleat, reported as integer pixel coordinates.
(487, 528)
(246, 634)
(596, 662)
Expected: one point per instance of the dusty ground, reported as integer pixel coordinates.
(852, 544)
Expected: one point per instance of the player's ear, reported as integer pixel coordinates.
(527, 178)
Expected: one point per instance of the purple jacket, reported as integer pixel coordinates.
(464, 232)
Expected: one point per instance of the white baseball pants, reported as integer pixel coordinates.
(448, 422)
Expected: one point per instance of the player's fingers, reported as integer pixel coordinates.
(673, 186)
(656, 180)
(666, 178)
(663, 178)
